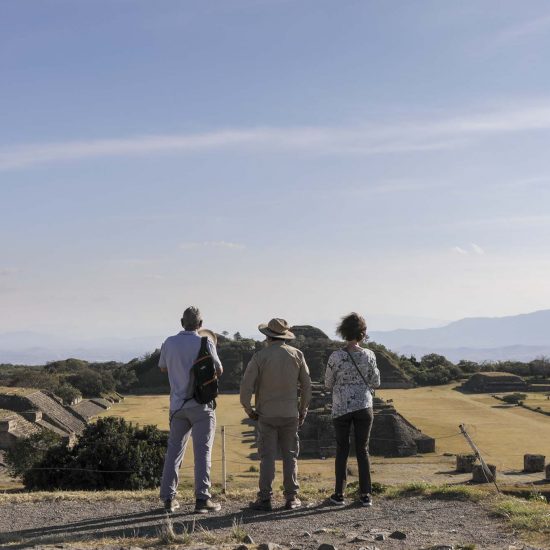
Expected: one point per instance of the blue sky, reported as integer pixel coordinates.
(265, 158)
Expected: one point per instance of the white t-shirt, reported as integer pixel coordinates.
(177, 355)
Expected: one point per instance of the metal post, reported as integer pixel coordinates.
(224, 464)
(488, 474)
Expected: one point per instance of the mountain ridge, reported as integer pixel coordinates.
(524, 334)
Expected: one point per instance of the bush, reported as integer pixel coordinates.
(110, 454)
(67, 392)
(515, 398)
(432, 370)
(29, 452)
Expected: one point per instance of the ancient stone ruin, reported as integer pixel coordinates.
(533, 463)
(14, 426)
(391, 435)
(25, 411)
(317, 347)
(494, 382)
(235, 355)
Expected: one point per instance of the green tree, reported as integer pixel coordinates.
(515, 398)
(110, 454)
(29, 451)
(67, 392)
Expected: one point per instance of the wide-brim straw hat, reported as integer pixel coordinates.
(277, 328)
(208, 333)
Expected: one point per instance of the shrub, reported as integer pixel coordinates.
(29, 452)
(515, 398)
(110, 454)
(67, 392)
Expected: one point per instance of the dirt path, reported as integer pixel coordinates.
(425, 522)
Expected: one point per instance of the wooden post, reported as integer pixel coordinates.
(224, 464)
(485, 469)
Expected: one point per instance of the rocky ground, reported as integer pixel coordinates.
(390, 524)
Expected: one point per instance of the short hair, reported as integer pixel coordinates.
(192, 318)
(352, 327)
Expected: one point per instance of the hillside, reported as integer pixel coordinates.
(235, 355)
(520, 337)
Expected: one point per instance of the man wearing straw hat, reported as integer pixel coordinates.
(274, 375)
(177, 356)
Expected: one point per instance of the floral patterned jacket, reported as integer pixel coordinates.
(349, 392)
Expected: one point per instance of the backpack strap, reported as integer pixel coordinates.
(191, 385)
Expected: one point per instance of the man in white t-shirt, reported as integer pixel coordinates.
(187, 417)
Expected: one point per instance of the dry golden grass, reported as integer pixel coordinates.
(16, 391)
(538, 399)
(503, 433)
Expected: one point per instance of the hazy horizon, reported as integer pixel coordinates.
(266, 158)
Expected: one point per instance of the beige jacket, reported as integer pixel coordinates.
(273, 375)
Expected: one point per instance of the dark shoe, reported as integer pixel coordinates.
(337, 500)
(366, 500)
(171, 505)
(293, 503)
(262, 505)
(206, 506)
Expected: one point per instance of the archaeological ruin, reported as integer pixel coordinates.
(391, 435)
(25, 411)
(494, 382)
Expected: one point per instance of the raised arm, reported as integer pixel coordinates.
(214, 354)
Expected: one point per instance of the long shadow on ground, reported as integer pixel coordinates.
(148, 524)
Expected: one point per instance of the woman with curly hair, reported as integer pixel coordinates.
(352, 375)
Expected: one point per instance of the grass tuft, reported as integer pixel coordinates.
(166, 533)
(528, 515)
(437, 492)
(238, 532)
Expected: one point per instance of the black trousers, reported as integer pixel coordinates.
(362, 423)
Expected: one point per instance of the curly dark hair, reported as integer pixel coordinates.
(352, 327)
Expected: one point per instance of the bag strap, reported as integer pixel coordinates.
(203, 350)
(360, 373)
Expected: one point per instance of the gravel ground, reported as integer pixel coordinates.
(426, 523)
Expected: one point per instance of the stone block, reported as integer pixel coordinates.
(533, 463)
(465, 463)
(479, 476)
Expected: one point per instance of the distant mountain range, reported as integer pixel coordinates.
(517, 337)
(35, 348)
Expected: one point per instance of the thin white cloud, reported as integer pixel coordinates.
(526, 28)
(459, 250)
(534, 220)
(369, 139)
(212, 244)
(536, 180)
(477, 249)
(8, 271)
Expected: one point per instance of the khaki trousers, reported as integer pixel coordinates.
(277, 432)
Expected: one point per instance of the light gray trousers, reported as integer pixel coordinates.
(200, 422)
